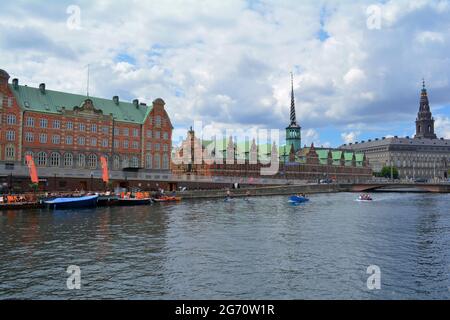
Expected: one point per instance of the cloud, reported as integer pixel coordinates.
(228, 62)
(442, 126)
(350, 137)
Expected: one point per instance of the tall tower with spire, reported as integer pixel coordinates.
(293, 131)
(424, 121)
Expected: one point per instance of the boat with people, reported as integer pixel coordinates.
(167, 199)
(72, 202)
(134, 201)
(298, 199)
(365, 197)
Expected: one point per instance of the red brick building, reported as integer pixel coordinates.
(67, 134)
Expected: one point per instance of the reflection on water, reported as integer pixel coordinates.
(263, 248)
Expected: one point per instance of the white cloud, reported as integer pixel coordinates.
(228, 62)
(442, 126)
(350, 137)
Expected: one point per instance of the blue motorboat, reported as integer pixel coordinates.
(72, 203)
(297, 199)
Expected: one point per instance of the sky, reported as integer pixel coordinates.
(358, 65)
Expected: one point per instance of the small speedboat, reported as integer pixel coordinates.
(167, 199)
(72, 203)
(298, 199)
(366, 198)
(133, 201)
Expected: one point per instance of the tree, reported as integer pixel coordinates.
(386, 172)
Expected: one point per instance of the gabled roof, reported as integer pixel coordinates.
(32, 99)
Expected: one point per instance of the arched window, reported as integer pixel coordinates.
(134, 162)
(81, 163)
(68, 160)
(92, 161)
(10, 152)
(148, 161)
(125, 162)
(28, 153)
(157, 162)
(116, 162)
(429, 128)
(42, 159)
(165, 161)
(420, 128)
(55, 159)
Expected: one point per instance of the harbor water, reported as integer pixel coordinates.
(263, 248)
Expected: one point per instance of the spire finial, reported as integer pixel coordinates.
(293, 118)
(423, 83)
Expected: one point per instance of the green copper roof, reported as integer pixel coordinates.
(52, 102)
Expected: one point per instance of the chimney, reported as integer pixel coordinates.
(15, 83)
(116, 100)
(42, 88)
(136, 103)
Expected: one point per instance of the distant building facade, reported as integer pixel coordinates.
(422, 157)
(247, 160)
(66, 134)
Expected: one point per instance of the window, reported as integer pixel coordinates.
(157, 162)
(56, 124)
(56, 139)
(149, 133)
(165, 148)
(28, 153)
(81, 163)
(43, 123)
(135, 162)
(148, 161)
(158, 121)
(43, 138)
(93, 127)
(135, 133)
(166, 136)
(69, 125)
(10, 102)
(10, 152)
(125, 132)
(92, 161)
(135, 145)
(69, 140)
(105, 129)
(42, 159)
(157, 135)
(94, 142)
(29, 122)
(125, 144)
(105, 143)
(1, 99)
(165, 161)
(10, 119)
(82, 127)
(149, 146)
(157, 147)
(68, 160)
(116, 143)
(29, 137)
(125, 163)
(81, 141)
(10, 135)
(116, 131)
(116, 162)
(55, 159)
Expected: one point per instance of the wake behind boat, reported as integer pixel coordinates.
(72, 203)
(364, 197)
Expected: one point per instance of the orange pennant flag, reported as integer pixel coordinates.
(32, 169)
(105, 175)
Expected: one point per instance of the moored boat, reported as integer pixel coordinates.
(133, 201)
(167, 199)
(72, 203)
